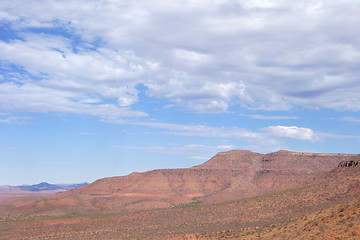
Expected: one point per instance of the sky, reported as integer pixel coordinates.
(100, 88)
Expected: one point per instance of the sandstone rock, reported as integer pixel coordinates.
(352, 162)
(227, 176)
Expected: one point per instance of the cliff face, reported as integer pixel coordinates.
(281, 160)
(264, 173)
(352, 162)
(227, 176)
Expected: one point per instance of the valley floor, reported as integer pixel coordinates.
(253, 218)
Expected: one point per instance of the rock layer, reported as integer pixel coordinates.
(227, 176)
(352, 162)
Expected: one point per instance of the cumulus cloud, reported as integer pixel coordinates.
(269, 137)
(206, 56)
(290, 132)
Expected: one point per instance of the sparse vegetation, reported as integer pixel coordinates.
(186, 205)
(316, 211)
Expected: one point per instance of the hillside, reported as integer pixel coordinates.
(227, 176)
(36, 190)
(44, 186)
(325, 207)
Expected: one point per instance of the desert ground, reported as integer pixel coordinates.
(325, 206)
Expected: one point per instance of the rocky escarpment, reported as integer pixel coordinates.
(280, 160)
(264, 173)
(352, 162)
(227, 176)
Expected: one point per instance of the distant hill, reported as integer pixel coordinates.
(41, 189)
(44, 186)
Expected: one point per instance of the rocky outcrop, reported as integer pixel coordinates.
(264, 173)
(252, 163)
(352, 162)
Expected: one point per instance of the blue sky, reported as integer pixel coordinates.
(92, 89)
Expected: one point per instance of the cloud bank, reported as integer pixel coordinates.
(88, 57)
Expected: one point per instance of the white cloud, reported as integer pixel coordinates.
(34, 98)
(206, 56)
(202, 96)
(191, 57)
(290, 132)
(262, 117)
(203, 130)
(265, 138)
(351, 119)
(15, 119)
(225, 147)
(68, 79)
